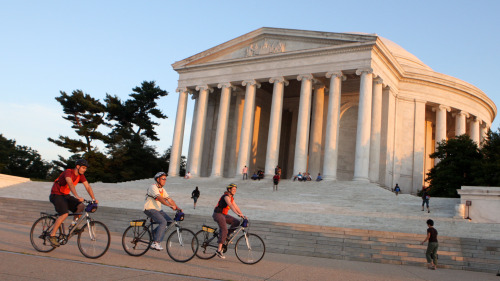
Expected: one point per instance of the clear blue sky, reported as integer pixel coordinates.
(112, 46)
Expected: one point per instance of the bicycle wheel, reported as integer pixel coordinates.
(182, 245)
(250, 248)
(40, 233)
(136, 240)
(208, 245)
(93, 242)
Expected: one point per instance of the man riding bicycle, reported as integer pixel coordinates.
(220, 216)
(63, 201)
(155, 197)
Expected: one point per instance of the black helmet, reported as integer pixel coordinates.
(81, 162)
(231, 185)
(159, 174)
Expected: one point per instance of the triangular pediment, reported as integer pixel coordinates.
(272, 41)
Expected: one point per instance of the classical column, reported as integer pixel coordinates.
(273, 138)
(193, 129)
(300, 160)
(220, 135)
(180, 120)
(460, 121)
(316, 133)
(198, 136)
(474, 130)
(247, 125)
(362, 154)
(332, 125)
(418, 146)
(440, 122)
(375, 130)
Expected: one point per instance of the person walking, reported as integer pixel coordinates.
(425, 199)
(397, 189)
(195, 194)
(276, 181)
(245, 173)
(432, 246)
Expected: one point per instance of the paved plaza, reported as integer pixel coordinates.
(337, 204)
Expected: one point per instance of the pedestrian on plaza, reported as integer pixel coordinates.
(319, 177)
(432, 246)
(397, 189)
(195, 195)
(425, 198)
(245, 173)
(255, 176)
(188, 175)
(276, 181)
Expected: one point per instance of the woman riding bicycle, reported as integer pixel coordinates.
(155, 197)
(220, 216)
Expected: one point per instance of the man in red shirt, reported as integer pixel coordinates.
(61, 198)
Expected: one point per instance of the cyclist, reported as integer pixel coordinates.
(220, 216)
(63, 201)
(155, 197)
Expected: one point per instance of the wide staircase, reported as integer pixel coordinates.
(307, 240)
(8, 180)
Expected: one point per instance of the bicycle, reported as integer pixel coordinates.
(249, 247)
(93, 236)
(181, 246)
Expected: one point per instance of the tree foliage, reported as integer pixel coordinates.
(488, 171)
(458, 158)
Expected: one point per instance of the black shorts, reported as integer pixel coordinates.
(63, 203)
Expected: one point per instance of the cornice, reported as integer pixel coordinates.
(338, 49)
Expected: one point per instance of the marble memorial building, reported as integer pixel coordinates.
(351, 106)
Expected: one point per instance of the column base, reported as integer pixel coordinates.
(359, 179)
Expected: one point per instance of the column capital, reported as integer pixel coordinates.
(441, 107)
(185, 90)
(279, 79)
(226, 85)
(461, 112)
(334, 74)
(378, 80)
(367, 70)
(306, 76)
(204, 88)
(250, 82)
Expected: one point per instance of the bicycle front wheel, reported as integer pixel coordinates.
(182, 245)
(40, 233)
(136, 240)
(250, 248)
(208, 245)
(93, 241)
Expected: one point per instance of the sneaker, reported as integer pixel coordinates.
(156, 246)
(53, 241)
(428, 211)
(220, 254)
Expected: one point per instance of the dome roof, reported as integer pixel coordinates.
(405, 58)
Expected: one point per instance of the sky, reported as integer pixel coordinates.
(110, 47)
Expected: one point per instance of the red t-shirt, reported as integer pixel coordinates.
(61, 187)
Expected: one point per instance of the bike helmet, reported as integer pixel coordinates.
(231, 185)
(81, 162)
(159, 174)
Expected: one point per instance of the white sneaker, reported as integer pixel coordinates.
(220, 254)
(156, 246)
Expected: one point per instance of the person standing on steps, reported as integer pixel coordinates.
(425, 199)
(432, 246)
(195, 195)
(245, 172)
(397, 190)
(276, 181)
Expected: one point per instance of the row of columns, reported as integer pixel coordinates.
(368, 135)
(365, 135)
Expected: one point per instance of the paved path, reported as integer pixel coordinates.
(21, 262)
(338, 204)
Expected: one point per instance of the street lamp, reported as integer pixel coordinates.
(468, 203)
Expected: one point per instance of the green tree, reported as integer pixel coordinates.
(132, 127)
(488, 172)
(21, 161)
(457, 158)
(86, 115)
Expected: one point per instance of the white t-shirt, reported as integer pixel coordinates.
(152, 193)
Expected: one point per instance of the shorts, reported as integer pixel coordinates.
(195, 199)
(63, 203)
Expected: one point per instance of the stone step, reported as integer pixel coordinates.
(307, 240)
